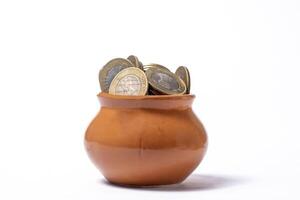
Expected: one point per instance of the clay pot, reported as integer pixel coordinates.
(146, 140)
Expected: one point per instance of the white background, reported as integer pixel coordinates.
(244, 59)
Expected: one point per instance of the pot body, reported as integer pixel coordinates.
(149, 140)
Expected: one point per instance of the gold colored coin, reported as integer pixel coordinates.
(184, 75)
(164, 82)
(110, 70)
(157, 66)
(130, 81)
(135, 61)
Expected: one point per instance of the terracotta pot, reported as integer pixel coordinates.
(146, 140)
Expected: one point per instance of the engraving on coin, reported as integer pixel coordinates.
(112, 73)
(128, 85)
(110, 70)
(184, 75)
(129, 81)
(164, 82)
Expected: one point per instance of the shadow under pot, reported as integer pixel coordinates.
(146, 140)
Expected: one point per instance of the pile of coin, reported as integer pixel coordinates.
(130, 77)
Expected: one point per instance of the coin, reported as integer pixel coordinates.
(141, 66)
(157, 66)
(129, 81)
(154, 92)
(184, 75)
(110, 70)
(165, 82)
(135, 61)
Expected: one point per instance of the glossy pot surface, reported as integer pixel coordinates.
(146, 140)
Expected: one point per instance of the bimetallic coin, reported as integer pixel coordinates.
(165, 82)
(141, 66)
(129, 81)
(135, 61)
(110, 70)
(184, 85)
(157, 66)
(184, 75)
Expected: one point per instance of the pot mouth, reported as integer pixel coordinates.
(148, 101)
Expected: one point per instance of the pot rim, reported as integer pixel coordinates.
(164, 102)
(147, 97)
